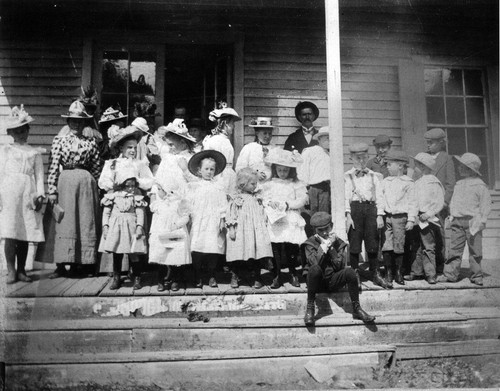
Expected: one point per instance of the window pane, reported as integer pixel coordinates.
(435, 110)
(456, 141)
(115, 72)
(455, 111)
(473, 82)
(453, 81)
(142, 73)
(475, 111)
(476, 141)
(108, 100)
(433, 81)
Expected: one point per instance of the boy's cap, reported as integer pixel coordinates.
(435, 134)
(382, 139)
(425, 159)
(320, 220)
(470, 161)
(396, 156)
(358, 147)
(323, 131)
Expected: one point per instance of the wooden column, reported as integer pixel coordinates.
(335, 116)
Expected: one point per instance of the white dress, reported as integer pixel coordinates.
(145, 177)
(252, 155)
(221, 143)
(21, 183)
(170, 173)
(208, 203)
(169, 242)
(290, 228)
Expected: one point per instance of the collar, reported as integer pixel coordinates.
(404, 178)
(307, 131)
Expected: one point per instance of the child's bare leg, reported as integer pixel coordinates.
(10, 257)
(22, 255)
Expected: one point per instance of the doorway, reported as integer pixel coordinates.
(197, 77)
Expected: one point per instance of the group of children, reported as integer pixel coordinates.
(196, 210)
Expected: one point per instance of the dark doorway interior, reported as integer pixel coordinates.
(196, 76)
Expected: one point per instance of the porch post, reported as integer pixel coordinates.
(335, 116)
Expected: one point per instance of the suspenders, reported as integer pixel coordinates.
(355, 189)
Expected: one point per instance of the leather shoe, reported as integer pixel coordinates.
(276, 283)
(174, 287)
(59, 272)
(23, 277)
(398, 278)
(198, 283)
(431, 280)
(234, 281)
(412, 277)
(360, 314)
(212, 282)
(378, 280)
(257, 284)
(137, 284)
(295, 281)
(115, 284)
(12, 277)
(161, 286)
(309, 316)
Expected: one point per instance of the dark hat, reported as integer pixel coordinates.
(197, 123)
(397, 156)
(306, 105)
(382, 139)
(435, 134)
(358, 147)
(320, 220)
(194, 162)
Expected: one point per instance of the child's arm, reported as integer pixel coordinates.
(146, 178)
(301, 196)
(106, 213)
(434, 194)
(484, 206)
(40, 190)
(232, 217)
(139, 230)
(379, 201)
(412, 207)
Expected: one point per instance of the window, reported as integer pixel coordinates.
(455, 101)
(128, 77)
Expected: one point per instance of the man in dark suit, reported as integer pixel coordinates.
(306, 113)
(445, 172)
(325, 266)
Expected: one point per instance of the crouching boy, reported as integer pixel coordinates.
(325, 267)
(469, 209)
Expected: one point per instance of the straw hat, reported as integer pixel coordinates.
(306, 105)
(261, 122)
(76, 110)
(470, 161)
(18, 117)
(223, 111)
(111, 114)
(117, 134)
(141, 124)
(179, 128)
(195, 161)
(283, 158)
(425, 159)
(323, 131)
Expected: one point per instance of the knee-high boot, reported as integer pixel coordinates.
(376, 277)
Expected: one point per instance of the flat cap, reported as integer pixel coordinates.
(396, 156)
(382, 139)
(358, 147)
(435, 134)
(320, 220)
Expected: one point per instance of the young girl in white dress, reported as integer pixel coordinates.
(246, 222)
(169, 243)
(253, 154)
(123, 225)
(208, 203)
(283, 196)
(21, 194)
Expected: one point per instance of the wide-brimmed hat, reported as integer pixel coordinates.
(382, 139)
(76, 110)
(18, 117)
(179, 128)
(216, 114)
(116, 134)
(323, 131)
(306, 105)
(111, 114)
(141, 124)
(425, 159)
(124, 174)
(195, 161)
(470, 161)
(397, 156)
(261, 122)
(284, 158)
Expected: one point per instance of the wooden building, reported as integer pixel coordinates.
(405, 67)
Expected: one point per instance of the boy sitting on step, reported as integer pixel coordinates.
(325, 267)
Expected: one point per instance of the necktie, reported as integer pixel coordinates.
(265, 150)
(361, 173)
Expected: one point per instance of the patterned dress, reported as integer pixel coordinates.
(73, 171)
(246, 214)
(21, 183)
